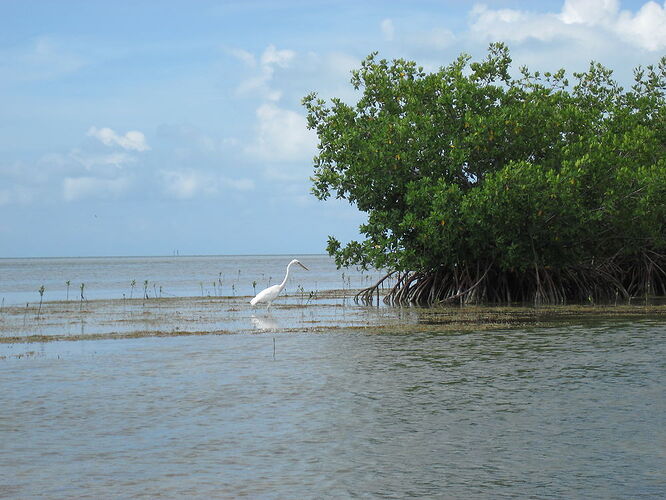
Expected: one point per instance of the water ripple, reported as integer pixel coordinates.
(554, 413)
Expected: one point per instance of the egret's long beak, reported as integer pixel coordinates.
(303, 266)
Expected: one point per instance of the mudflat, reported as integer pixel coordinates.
(325, 311)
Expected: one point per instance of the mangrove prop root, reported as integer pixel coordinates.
(366, 295)
(588, 282)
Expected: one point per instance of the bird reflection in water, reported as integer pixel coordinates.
(264, 324)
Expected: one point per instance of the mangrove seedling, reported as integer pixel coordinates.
(68, 283)
(41, 297)
(145, 289)
(254, 287)
(132, 285)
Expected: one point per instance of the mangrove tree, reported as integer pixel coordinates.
(482, 183)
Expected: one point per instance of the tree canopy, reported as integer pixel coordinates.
(483, 186)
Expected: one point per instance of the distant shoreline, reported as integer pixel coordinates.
(70, 257)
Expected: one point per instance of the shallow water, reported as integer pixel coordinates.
(175, 295)
(94, 320)
(565, 412)
(183, 276)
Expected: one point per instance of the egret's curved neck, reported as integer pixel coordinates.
(286, 276)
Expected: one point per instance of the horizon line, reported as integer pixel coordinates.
(154, 256)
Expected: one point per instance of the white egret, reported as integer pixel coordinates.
(270, 294)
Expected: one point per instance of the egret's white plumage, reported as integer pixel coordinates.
(270, 294)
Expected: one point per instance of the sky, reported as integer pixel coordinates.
(155, 127)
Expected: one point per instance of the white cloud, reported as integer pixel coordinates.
(43, 59)
(92, 172)
(187, 184)
(78, 174)
(289, 175)
(438, 38)
(273, 56)
(590, 12)
(244, 56)
(268, 61)
(259, 85)
(187, 139)
(70, 176)
(238, 184)
(587, 21)
(131, 141)
(99, 162)
(341, 64)
(25, 183)
(388, 30)
(183, 185)
(647, 28)
(77, 188)
(19, 195)
(515, 25)
(282, 135)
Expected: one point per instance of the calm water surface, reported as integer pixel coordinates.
(183, 276)
(567, 412)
